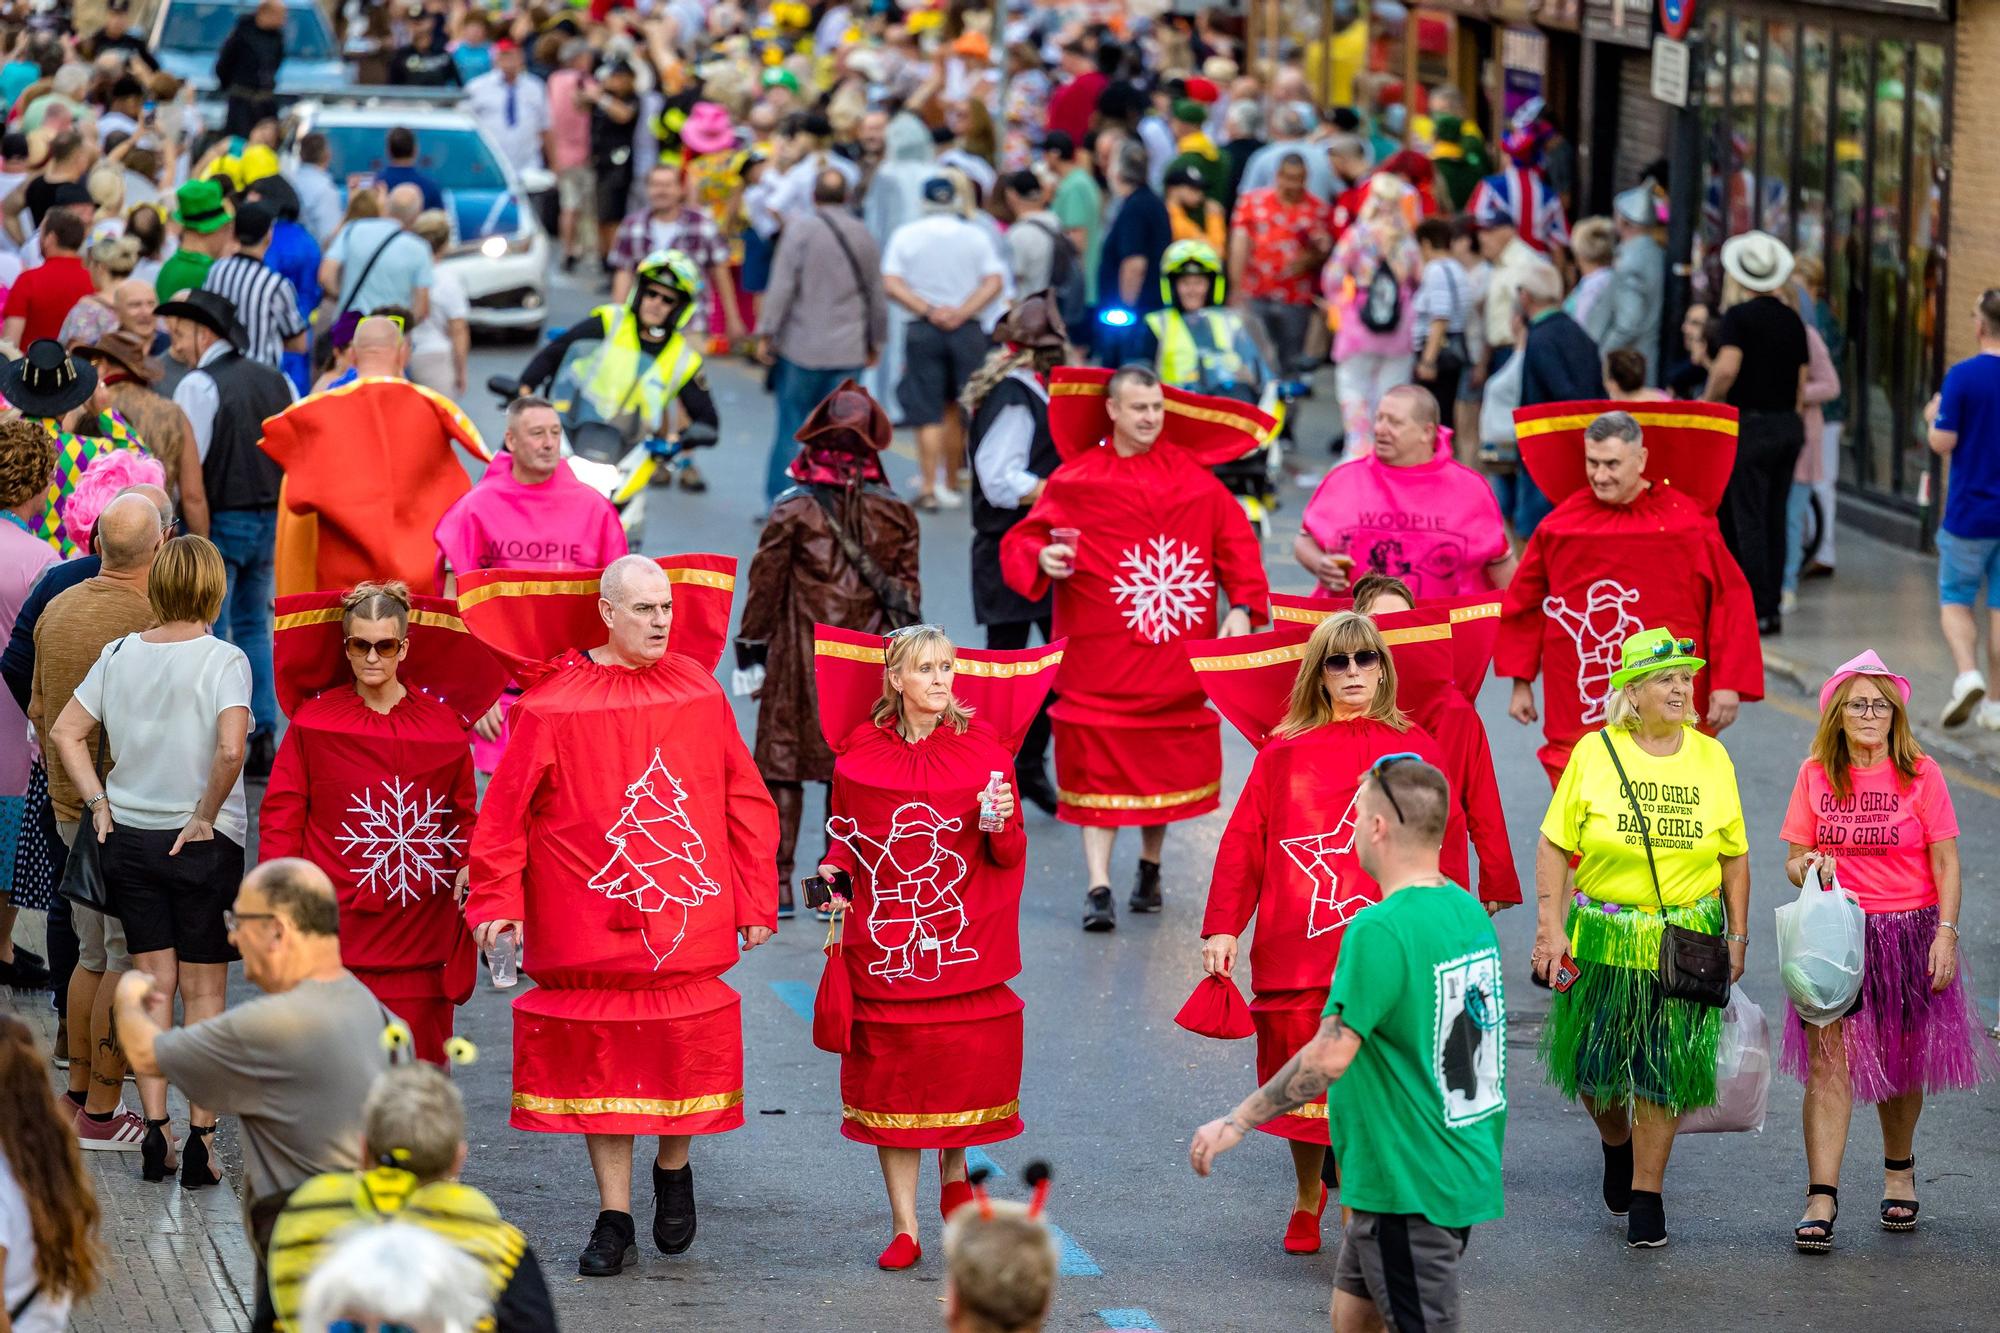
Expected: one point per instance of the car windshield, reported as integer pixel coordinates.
(457, 159)
(204, 27)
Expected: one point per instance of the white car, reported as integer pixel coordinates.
(499, 250)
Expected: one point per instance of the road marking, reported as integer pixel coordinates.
(1955, 775)
(977, 1159)
(1076, 1261)
(1127, 1318)
(798, 997)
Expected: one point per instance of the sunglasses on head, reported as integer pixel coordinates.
(1364, 659)
(361, 649)
(896, 634)
(1380, 767)
(1672, 647)
(402, 325)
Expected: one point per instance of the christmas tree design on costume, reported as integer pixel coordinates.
(654, 830)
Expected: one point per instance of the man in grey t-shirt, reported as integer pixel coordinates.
(294, 1065)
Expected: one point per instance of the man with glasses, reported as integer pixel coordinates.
(294, 1066)
(1615, 555)
(627, 845)
(1410, 1058)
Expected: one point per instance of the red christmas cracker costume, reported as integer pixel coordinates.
(1135, 742)
(629, 832)
(383, 802)
(933, 938)
(1595, 573)
(369, 471)
(1287, 856)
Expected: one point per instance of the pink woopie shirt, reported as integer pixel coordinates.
(1436, 526)
(1880, 835)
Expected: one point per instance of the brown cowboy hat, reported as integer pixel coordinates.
(126, 350)
(848, 418)
(1033, 322)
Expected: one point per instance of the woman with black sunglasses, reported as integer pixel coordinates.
(374, 784)
(1287, 859)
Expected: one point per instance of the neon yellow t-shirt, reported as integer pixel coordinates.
(1691, 804)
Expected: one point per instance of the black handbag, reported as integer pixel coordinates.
(83, 873)
(1694, 965)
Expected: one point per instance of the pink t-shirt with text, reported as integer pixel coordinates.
(1880, 835)
(1436, 526)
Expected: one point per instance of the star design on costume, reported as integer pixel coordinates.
(915, 913)
(1314, 854)
(1166, 590)
(655, 833)
(1599, 629)
(399, 838)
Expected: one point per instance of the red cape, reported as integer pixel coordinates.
(1594, 574)
(1287, 856)
(373, 463)
(937, 902)
(384, 804)
(532, 617)
(1475, 623)
(1689, 446)
(1003, 689)
(444, 662)
(1211, 430)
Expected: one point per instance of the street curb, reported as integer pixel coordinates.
(1800, 676)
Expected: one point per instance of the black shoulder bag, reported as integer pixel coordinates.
(1694, 965)
(83, 873)
(896, 605)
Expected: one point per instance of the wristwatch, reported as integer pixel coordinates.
(101, 797)
(1951, 926)
(1734, 938)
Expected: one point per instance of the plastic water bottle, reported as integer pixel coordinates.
(989, 808)
(503, 961)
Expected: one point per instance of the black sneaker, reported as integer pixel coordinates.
(1098, 914)
(611, 1247)
(263, 754)
(1618, 1177)
(1646, 1228)
(26, 972)
(673, 1209)
(1146, 889)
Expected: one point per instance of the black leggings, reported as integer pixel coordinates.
(1753, 506)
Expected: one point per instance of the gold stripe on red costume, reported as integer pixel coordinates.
(930, 1120)
(718, 1101)
(962, 666)
(327, 615)
(1310, 1111)
(1300, 614)
(1251, 661)
(1162, 801)
(1531, 426)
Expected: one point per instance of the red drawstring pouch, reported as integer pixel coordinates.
(833, 1005)
(1216, 1009)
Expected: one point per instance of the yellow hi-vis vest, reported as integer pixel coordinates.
(1201, 360)
(612, 381)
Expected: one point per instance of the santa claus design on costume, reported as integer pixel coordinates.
(915, 913)
(654, 829)
(1314, 855)
(400, 847)
(1164, 588)
(1599, 631)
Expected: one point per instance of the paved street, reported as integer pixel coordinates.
(792, 1215)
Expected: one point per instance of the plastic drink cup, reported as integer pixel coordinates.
(1069, 537)
(503, 961)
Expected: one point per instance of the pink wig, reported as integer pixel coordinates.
(107, 475)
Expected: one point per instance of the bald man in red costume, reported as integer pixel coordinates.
(629, 842)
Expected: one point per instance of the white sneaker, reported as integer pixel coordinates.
(1989, 716)
(1966, 693)
(1788, 601)
(950, 499)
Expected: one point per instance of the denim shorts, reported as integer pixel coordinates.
(1964, 563)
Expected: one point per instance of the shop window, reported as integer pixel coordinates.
(1847, 233)
(1779, 84)
(1888, 273)
(1815, 64)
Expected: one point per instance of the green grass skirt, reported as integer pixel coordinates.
(1612, 1036)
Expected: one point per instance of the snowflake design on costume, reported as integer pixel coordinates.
(655, 832)
(1314, 854)
(401, 843)
(1165, 589)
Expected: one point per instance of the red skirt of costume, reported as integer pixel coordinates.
(942, 1073)
(1119, 776)
(1286, 1021)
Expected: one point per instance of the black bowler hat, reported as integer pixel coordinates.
(48, 381)
(211, 310)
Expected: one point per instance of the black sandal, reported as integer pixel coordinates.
(1813, 1235)
(1910, 1205)
(156, 1151)
(195, 1173)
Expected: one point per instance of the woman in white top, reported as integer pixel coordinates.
(441, 343)
(48, 1215)
(174, 704)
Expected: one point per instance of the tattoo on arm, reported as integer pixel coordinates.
(1301, 1080)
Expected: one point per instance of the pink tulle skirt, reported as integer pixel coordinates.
(1904, 1036)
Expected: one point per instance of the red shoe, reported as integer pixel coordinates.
(1302, 1232)
(903, 1252)
(955, 1195)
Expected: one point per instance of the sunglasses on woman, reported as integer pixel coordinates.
(362, 649)
(365, 1326)
(1382, 766)
(1364, 659)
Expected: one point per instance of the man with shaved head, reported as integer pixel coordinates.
(1406, 509)
(294, 1065)
(628, 832)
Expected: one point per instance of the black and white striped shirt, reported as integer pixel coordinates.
(267, 305)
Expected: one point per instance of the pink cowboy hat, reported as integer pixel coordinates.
(708, 129)
(1867, 664)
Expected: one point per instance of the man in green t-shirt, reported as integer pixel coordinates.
(1078, 202)
(1411, 1056)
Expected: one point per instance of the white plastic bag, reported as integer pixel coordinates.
(1821, 935)
(1742, 1073)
